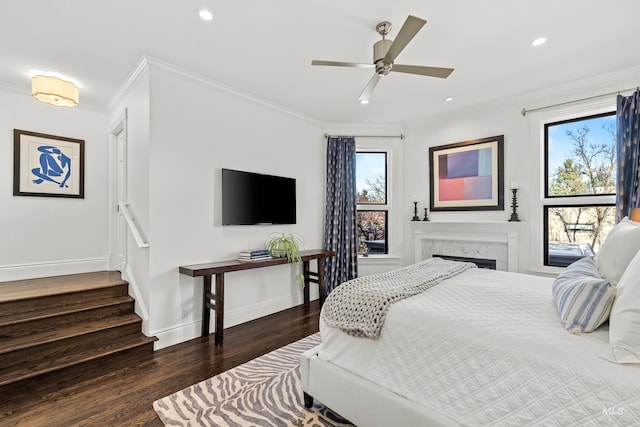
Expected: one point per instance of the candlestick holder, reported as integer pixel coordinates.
(514, 206)
(415, 212)
(426, 217)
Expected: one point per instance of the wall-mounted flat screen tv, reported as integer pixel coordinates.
(250, 198)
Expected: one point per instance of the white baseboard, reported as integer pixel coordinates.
(170, 336)
(52, 268)
(176, 335)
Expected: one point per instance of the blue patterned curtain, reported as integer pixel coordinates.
(628, 146)
(340, 217)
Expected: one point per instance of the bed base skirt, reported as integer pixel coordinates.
(360, 401)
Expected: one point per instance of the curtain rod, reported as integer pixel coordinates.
(524, 111)
(401, 136)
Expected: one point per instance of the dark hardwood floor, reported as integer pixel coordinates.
(123, 395)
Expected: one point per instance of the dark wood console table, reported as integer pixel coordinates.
(216, 301)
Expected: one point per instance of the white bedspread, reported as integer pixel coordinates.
(487, 348)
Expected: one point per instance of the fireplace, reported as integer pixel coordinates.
(480, 240)
(480, 262)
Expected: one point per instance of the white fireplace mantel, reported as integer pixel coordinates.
(507, 233)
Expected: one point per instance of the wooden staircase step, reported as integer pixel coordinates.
(48, 286)
(50, 318)
(60, 348)
(12, 303)
(40, 338)
(66, 325)
(47, 364)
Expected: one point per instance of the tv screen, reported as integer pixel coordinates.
(251, 198)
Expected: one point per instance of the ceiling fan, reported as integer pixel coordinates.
(385, 52)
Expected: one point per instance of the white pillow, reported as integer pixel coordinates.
(620, 246)
(624, 321)
(582, 297)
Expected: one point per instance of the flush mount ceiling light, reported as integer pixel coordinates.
(55, 91)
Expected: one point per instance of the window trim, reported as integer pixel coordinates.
(393, 147)
(537, 120)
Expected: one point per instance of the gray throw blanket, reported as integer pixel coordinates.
(359, 306)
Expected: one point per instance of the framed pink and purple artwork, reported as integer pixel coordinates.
(468, 175)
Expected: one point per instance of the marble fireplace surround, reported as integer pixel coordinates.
(490, 240)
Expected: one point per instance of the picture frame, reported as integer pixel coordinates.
(47, 165)
(468, 175)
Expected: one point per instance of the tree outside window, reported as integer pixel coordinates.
(581, 171)
(372, 231)
(372, 215)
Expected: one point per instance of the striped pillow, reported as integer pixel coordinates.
(583, 297)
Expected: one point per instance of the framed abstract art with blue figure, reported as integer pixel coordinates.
(47, 165)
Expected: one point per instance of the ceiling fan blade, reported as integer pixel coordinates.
(341, 64)
(409, 29)
(366, 93)
(443, 73)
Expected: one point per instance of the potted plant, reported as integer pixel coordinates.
(288, 246)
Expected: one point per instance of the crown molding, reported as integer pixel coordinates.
(137, 73)
(564, 93)
(147, 63)
(368, 128)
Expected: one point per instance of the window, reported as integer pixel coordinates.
(372, 231)
(580, 185)
(372, 201)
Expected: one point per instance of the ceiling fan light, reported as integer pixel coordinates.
(539, 41)
(205, 15)
(385, 52)
(55, 91)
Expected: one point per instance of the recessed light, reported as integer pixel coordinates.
(449, 98)
(364, 101)
(205, 15)
(539, 41)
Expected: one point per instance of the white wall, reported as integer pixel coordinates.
(132, 111)
(43, 236)
(195, 129)
(522, 152)
(463, 126)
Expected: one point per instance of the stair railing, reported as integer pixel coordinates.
(123, 208)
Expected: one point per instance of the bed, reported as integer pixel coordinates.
(482, 348)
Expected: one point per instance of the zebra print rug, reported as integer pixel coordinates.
(262, 392)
